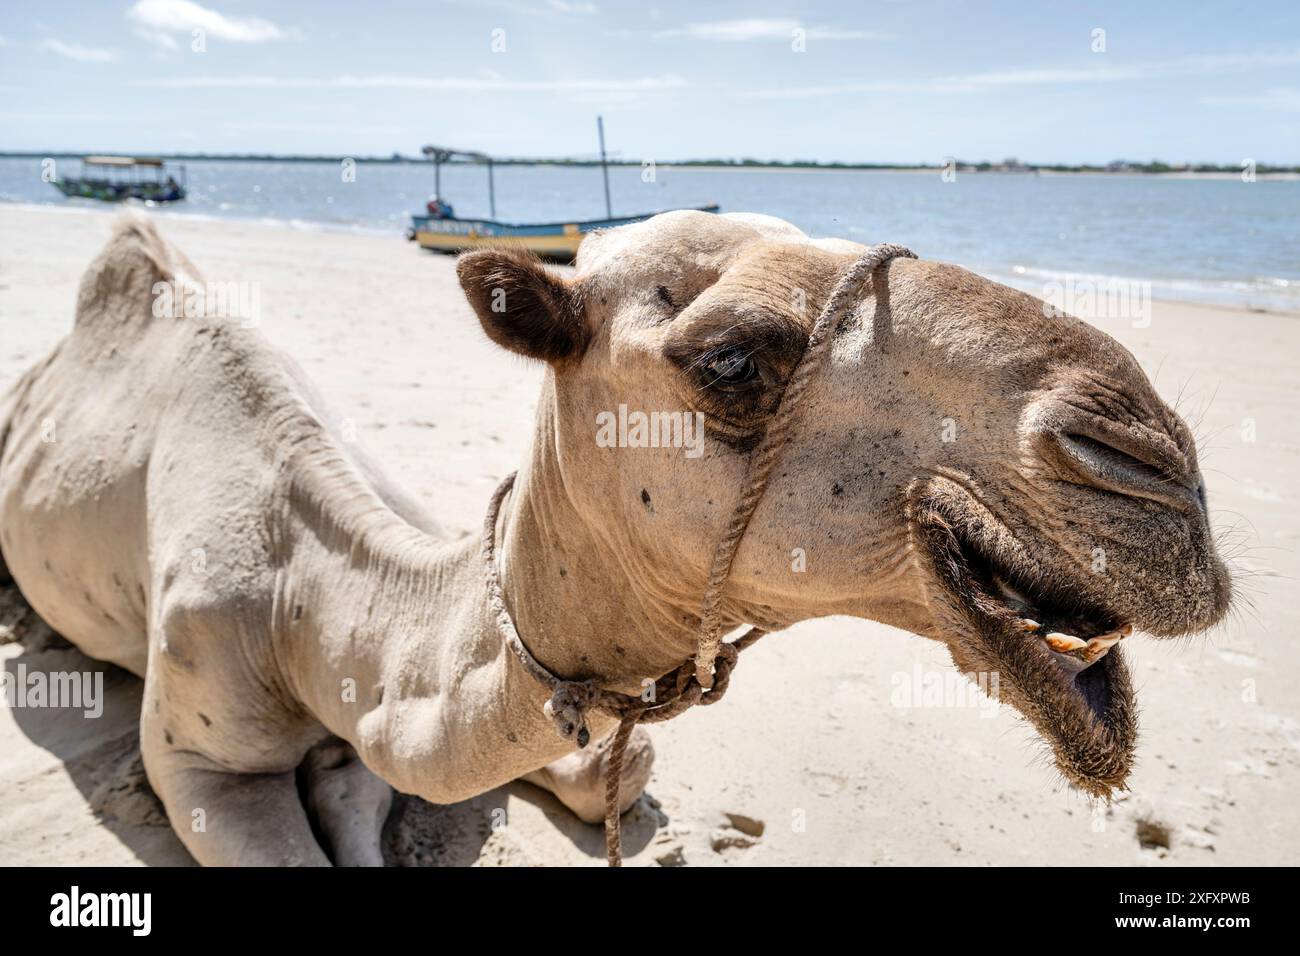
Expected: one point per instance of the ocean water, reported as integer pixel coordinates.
(1212, 240)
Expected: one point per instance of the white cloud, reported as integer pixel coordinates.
(1100, 73)
(163, 17)
(5, 41)
(1282, 99)
(835, 33)
(748, 30)
(567, 6)
(164, 41)
(491, 83)
(75, 51)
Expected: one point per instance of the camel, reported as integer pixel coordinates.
(968, 466)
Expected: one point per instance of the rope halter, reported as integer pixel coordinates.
(702, 679)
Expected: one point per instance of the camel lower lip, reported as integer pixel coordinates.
(1055, 652)
(1073, 654)
(1084, 708)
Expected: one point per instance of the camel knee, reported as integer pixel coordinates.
(578, 779)
(227, 817)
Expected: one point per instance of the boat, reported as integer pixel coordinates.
(550, 240)
(441, 230)
(115, 178)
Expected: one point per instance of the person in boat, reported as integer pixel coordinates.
(439, 208)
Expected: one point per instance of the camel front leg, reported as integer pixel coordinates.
(234, 819)
(224, 817)
(348, 803)
(578, 779)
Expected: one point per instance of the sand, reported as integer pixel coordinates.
(847, 778)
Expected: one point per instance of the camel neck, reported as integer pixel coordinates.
(387, 633)
(571, 598)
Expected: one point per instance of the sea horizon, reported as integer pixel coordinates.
(1011, 165)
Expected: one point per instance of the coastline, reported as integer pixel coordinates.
(966, 167)
(1281, 177)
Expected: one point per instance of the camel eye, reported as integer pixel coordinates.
(729, 369)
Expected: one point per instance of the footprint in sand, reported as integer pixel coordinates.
(740, 833)
(674, 856)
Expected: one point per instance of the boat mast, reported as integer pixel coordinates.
(604, 166)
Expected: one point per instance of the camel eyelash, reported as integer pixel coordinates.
(701, 363)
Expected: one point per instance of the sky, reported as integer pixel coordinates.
(868, 81)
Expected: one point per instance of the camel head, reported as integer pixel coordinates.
(967, 465)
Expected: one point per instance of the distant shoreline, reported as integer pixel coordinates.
(1192, 171)
(1260, 175)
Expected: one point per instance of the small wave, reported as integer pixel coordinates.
(1268, 292)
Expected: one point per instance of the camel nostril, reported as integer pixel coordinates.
(1105, 456)
(1129, 466)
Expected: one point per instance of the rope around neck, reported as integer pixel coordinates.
(702, 679)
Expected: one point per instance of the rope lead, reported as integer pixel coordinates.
(703, 678)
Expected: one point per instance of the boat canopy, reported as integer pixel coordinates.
(122, 161)
(442, 154)
(131, 169)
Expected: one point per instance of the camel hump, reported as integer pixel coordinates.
(136, 269)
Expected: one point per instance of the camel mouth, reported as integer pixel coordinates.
(1076, 632)
(1052, 647)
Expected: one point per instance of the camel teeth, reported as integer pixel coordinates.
(1064, 643)
(1099, 646)
(1027, 624)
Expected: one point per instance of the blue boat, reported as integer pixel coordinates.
(440, 229)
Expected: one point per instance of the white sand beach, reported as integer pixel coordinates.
(845, 777)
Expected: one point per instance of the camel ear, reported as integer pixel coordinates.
(523, 306)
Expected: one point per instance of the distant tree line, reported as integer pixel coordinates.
(1009, 165)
